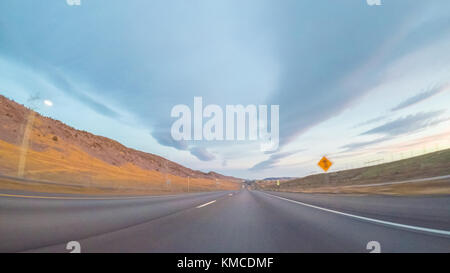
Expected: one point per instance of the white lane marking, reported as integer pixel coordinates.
(230, 194)
(201, 206)
(422, 229)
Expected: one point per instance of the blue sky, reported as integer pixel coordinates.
(354, 82)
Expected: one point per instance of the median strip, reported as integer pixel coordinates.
(387, 223)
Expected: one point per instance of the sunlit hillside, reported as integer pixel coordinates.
(41, 153)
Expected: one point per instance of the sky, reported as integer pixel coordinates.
(354, 82)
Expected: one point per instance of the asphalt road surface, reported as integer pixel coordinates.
(240, 221)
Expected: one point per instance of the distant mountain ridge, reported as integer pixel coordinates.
(278, 178)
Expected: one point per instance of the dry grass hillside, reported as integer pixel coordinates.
(353, 181)
(57, 157)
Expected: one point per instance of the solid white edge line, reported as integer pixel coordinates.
(201, 206)
(429, 230)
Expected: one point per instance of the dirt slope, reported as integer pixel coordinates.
(57, 152)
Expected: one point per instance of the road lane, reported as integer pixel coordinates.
(427, 211)
(426, 230)
(251, 221)
(35, 221)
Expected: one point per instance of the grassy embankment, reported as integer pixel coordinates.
(354, 181)
(62, 168)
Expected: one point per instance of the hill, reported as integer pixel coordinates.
(368, 179)
(41, 149)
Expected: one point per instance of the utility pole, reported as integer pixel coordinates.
(188, 183)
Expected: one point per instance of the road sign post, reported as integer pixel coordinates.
(325, 164)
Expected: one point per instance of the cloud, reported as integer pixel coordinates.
(422, 96)
(363, 144)
(370, 121)
(408, 124)
(313, 77)
(273, 160)
(164, 138)
(297, 59)
(400, 126)
(62, 83)
(316, 87)
(202, 154)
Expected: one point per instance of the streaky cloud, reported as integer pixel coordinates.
(370, 121)
(408, 124)
(398, 127)
(363, 144)
(164, 138)
(422, 96)
(202, 154)
(273, 160)
(61, 82)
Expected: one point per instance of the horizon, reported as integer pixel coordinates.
(263, 178)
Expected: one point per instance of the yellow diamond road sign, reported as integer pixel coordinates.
(324, 163)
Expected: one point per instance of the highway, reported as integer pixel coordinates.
(239, 221)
